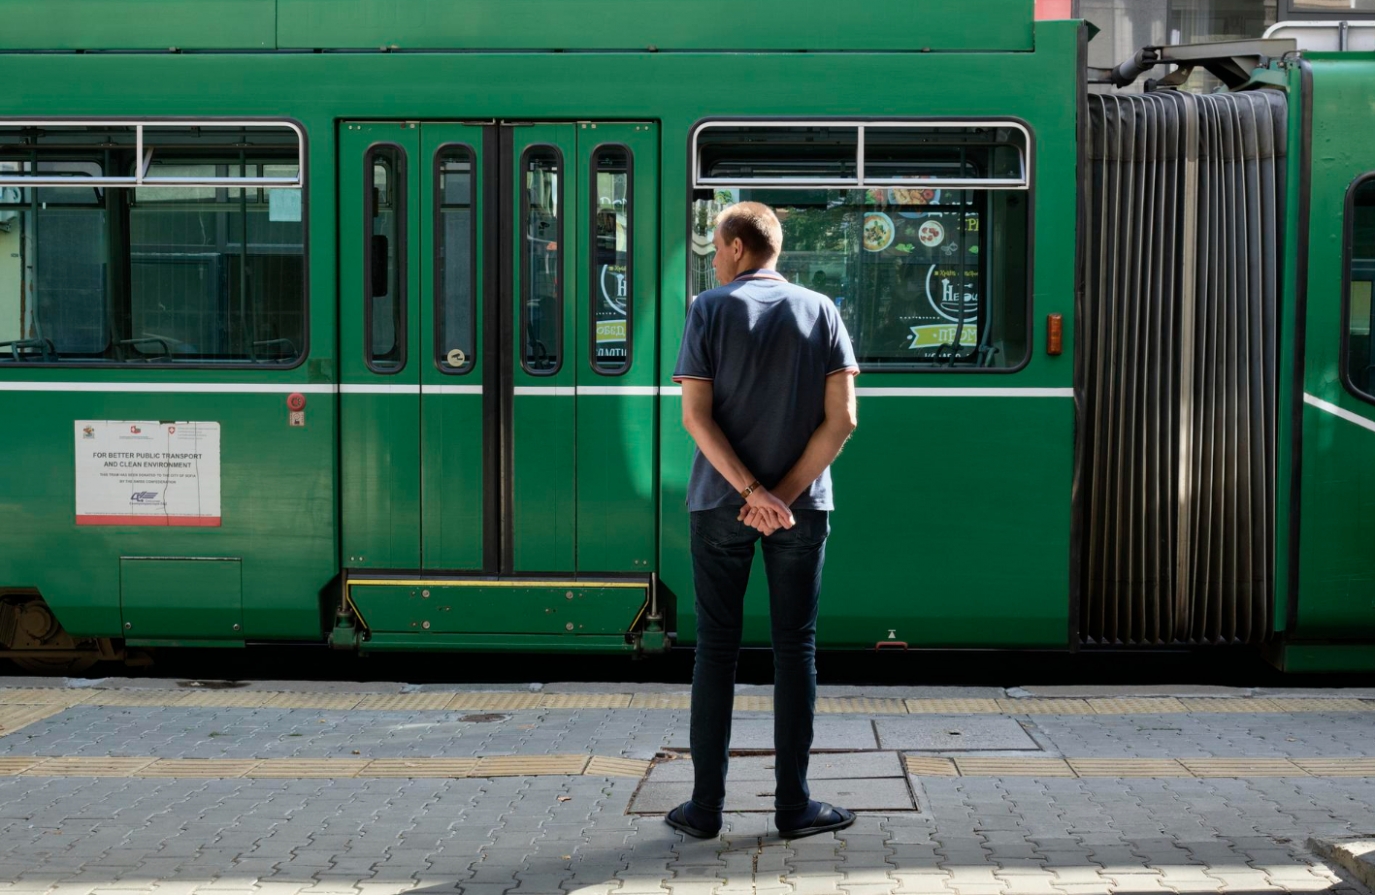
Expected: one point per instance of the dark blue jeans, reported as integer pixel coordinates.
(722, 551)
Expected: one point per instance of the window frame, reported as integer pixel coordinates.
(1348, 255)
(1287, 12)
(594, 286)
(697, 181)
(995, 121)
(302, 179)
(436, 231)
(400, 176)
(522, 302)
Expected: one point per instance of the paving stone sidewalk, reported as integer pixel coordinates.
(553, 834)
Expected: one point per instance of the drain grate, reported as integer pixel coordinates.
(860, 781)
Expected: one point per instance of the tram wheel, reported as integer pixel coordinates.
(29, 628)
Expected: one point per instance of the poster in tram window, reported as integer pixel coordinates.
(145, 472)
(928, 264)
(611, 287)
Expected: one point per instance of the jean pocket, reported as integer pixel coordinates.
(720, 527)
(811, 529)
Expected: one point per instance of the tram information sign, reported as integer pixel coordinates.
(145, 472)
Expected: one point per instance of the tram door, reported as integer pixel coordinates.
(496, 403)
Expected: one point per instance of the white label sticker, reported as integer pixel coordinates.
(284, 205)
(140, 472)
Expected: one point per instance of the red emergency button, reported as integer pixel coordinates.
(296, 401)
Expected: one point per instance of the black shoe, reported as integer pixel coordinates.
(678, 819)
(827, 819)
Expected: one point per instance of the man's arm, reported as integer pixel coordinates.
(712, 442)
(825, 444)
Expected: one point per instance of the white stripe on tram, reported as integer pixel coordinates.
(555, 390)
(618, 390)
(451, 389)
(938, 392)
(379, 388)
(255, 388)
(965, 392)
(1339, 412)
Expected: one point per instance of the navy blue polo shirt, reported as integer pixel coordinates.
(767, 346)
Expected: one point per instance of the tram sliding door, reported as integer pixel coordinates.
(497, 416)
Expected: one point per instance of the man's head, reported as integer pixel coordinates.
(748, 236)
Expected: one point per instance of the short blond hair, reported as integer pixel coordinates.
(755, 225)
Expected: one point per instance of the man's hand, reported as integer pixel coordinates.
(766, 513)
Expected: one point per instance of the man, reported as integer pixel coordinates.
(768, 394)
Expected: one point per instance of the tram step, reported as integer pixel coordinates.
(467, 613)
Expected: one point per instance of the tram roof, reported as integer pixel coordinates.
(505, 25)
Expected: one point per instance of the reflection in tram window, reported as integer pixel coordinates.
(385, 282)
(611, 252)
(541, 283)
(914, 272)
(455, 253)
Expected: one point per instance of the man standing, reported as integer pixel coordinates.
(768, 394)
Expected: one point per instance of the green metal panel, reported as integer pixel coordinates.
(661, 24)
(543, 416)
(1336, 574)
(563, 609)
(1324, 658)
(379, 442)
(181, 598)
(616, 489)
(279, 515)
(952, 525)
(140, 24)
(451, 405)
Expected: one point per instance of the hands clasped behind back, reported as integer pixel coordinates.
(766, 513)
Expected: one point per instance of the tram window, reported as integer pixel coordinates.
(923, 278)
(796, 153)
(167, 274)
(917, 230)
(541, 281)
(214, 273)
(53, 290)
(610, 293)
(384, 279)
(455, 253)
(1360, 313)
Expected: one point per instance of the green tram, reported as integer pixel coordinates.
(353, 322)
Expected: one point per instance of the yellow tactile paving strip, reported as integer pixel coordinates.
(13, 717)
(611, 766)
(1232, 768)
(30, 699)
(300, 768)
